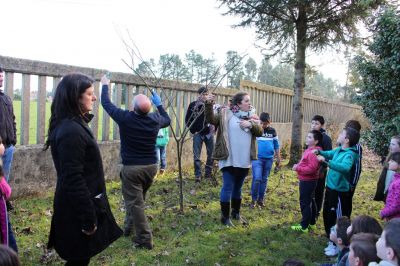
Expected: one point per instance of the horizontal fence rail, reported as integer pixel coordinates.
(176, 96)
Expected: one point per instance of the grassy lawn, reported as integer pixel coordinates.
(197, 237)
(33, 120)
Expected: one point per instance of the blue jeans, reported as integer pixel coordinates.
(260, 169)
(161, 152)
(233, 178)
(7, 161)
(308, 206)
(197, 146)
(12, 243)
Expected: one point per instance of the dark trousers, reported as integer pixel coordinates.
(307, 202)
(83, 262)
(319, 190)
(12, 243)
(197, 147)
(335, 205)
(136, 181)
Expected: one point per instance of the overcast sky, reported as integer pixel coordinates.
(87, 32)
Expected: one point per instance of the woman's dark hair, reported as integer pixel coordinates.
(364, 247)
(66, 100)
(238, 97)
(392, 236)
(365, 224)
(8, 257)
(395, 157)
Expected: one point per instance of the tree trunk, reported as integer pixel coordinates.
(299, 82)
(179, 148)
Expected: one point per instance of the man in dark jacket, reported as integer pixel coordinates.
(202, 132)
(8, 135)
(138, 131)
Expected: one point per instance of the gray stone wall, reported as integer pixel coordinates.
(33, 170)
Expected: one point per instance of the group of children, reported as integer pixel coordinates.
(355, 243)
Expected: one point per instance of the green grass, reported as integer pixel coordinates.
(33, 120)
(197, 237)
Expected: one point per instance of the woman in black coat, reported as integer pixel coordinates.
(82, 224)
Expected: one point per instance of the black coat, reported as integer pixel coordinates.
(199, 125)
(8, 128)
(80, 199)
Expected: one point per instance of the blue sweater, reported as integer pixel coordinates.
(267, 143)
(138, 132)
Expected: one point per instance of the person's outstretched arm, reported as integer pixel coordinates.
(165, 120)
(115, 112)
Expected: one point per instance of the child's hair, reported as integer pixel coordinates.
(365, 224)
(342, 224)
(318, 118)
(392, 236)
(292, 262)
(395, 157)
(264, 117)
(353, 124)
(317, 135)
(352, 135)
(364, 247)
(8, 257)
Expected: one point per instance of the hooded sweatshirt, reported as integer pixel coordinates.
(341, 162)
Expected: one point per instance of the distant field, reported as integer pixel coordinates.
(33, 120)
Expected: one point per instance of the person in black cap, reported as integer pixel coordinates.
(202, 131)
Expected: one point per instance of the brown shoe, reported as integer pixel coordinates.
(197, 179)
(260, 203)
(162, 171)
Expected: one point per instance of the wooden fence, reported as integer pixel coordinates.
(176, 96)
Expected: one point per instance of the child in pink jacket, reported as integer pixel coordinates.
(392, 206)
(308, 173)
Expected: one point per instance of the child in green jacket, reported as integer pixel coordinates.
(161, 148)
(337, 192)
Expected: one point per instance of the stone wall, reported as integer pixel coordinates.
(33, 171)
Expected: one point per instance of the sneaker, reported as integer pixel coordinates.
(260, 203)
(197, 179)
(330, 246)
(331, 249)
(332, 252)
(298, 227)
(252, 204)
(162, 171)
(312, 227)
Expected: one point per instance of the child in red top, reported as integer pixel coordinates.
(308, 173)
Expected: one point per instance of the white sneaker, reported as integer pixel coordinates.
(330, 246)
(332, 252)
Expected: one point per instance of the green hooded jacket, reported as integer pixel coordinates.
(341, 162)
(162, 137)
